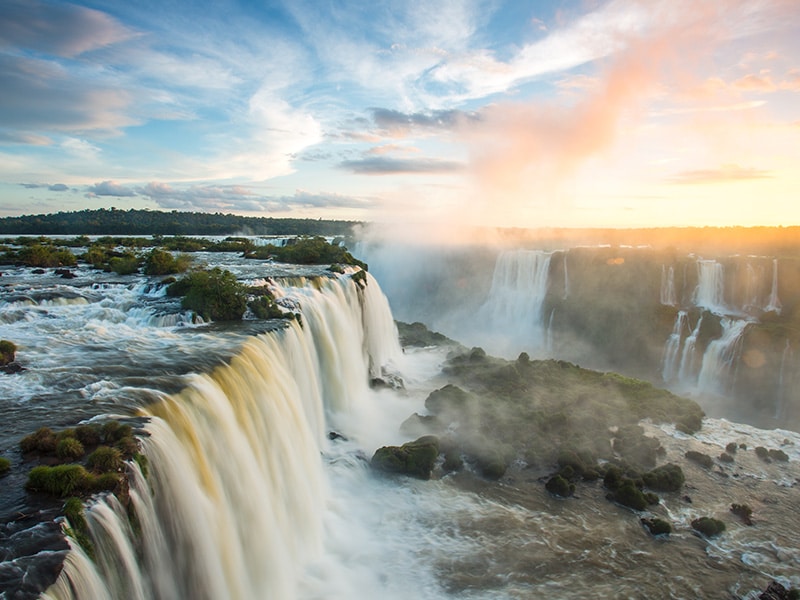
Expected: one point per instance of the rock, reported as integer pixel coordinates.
(725, 457)
(708, 526)
(418, 425)
(762, 453)
(65, 273)
(12, 367)
(744, 512)
(775, 591)
(415, 459)
(8, 352)
(38, 271)
(731, 448)
(333, 436)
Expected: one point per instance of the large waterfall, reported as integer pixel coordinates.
(710, 291)
(233, 503)
(513, 308)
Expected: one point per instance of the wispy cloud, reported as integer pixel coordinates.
(724, 174)
(383, 165)
(110, 188)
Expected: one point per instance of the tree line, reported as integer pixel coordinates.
(114, 221)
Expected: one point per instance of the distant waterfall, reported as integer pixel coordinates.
(516, 298)
(669, 368)
(774, 304)
(720, 357)
(566, 279)
(233, 504)
(710, 291)
(688, 365)
(668, 296)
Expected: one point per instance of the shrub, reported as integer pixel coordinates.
(762, 452)
(778, 455)
(69, 449)
(43, 441)
(657, 526)
(708, 526)
(667, 478)
(161, 262)
(8, 352)
(113, 431)
(124, 265)
(215, 295)
(5, 465)
(308, 251)
(629, 495)
(88, 435)
(559, 486)
(73, 511)
(104, 459)
(39, 255)
(704, 460)
(264, 307)
(744, 512)
(127, 446)
(61, 480)
(105, 482)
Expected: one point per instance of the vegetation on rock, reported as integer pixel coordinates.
(708, 526)
(8, 352)
(657, 526)
(415, 458)
(215, 295)
(559, 486)
(307, 251)
(161, 262)
(704, 460)
(5, 465)
(666, 478)
(744, 512)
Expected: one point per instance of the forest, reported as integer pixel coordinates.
(114, 221)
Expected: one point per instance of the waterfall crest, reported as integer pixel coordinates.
(233, 503)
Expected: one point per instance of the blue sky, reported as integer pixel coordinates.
(560, 113)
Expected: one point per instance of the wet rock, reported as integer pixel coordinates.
(333, 436)
(65, 273)
(744, 512)
(725, 457)
(415, 459)
(775, 591)
(12, 368)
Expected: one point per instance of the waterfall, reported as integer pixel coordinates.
(234, 500)
(668, 296)
(687, 368)
(774, 304)
(673, 346)
(516, 299)
(720, 357)
(710, 290)
(566, 279)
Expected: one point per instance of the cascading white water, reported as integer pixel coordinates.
(671, 364)
(688, 365)
(566, 279)
(513, 308)
(720, 357)
(710, 290)
(774, 304)
(233, 504)
(668, 297)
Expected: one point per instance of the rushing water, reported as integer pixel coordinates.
(248, 496)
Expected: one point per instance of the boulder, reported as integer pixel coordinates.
(708, 526)
(657, 526)
(415, 459)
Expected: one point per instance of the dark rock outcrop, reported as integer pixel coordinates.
(415, 459)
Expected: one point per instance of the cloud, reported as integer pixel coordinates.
(27, 139)
(382, 165)
(58, 187)
(55, 187)
(110, 188)
(63, 30)
(399, 124)
(725, 174)
(242, 199)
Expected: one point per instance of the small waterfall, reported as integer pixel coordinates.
(668, 296)
(566, 279)
(234, 500)
(774, 304)
(516, 299)
(780, 399)
(671, 364)
(710, 290)
(688, 365)
(720, 357)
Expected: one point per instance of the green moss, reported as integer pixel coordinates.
(88, 435)
(113, 431)
(105, 482)
(73, 511)
(8, 352)
(5, 465)
(69, 449)
(127, 446)
(61, 480)
(104, 459)
(708, 526)
(413, 458)
(43, 441)
(144, 465)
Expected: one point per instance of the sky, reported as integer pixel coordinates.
(537, 113)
